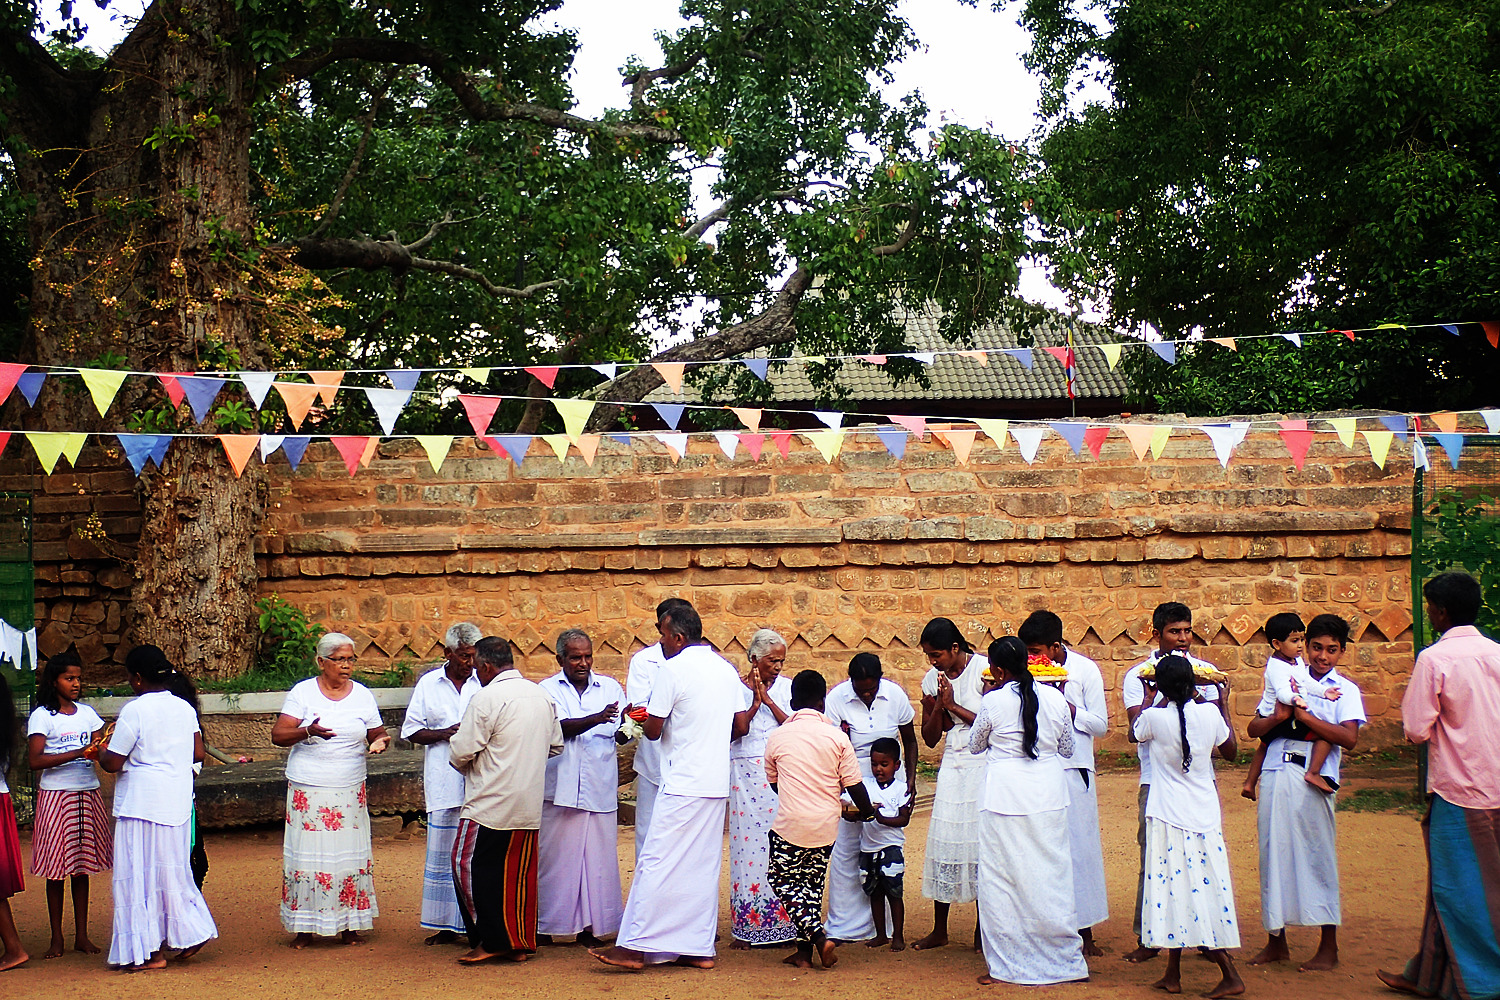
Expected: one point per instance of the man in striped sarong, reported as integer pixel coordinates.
(508, 731)
(1453, 705)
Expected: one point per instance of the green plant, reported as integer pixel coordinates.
(1463, 532)
(1383, 800)
(288, 641)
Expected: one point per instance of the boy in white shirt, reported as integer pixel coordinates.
(881, 840)
(1287, 681)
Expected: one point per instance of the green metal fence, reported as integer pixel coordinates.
(17, 607)
(1455, 524)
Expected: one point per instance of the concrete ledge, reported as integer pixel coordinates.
(252, 702)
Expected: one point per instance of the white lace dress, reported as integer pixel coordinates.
(950, 871)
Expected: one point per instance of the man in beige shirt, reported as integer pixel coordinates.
(508, 731)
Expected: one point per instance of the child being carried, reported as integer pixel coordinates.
(1288, 681)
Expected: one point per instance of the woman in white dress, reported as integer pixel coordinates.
(328, 721)
(756, 916)
(1188, 898)
(951, 691)
(1027, 919)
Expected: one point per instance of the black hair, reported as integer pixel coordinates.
(149, 663)
(941, 633)
(1279, 627)
(1456, 593)
(1009, 654)
(1041, 628)
(808, 689)
(887, 746)
(7, 724)
(864, 666)
(46, 680)
(1331, 626)
(1174, 679)
(494, 651)
(1169, 613)
(669, 604)
(684, 621)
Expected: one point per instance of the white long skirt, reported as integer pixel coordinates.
(440, 910)
(950, 870)
(1028, 927)
(1089, 896)
(756, 916)
(1189, 898)
(327, 866)
(849, 917)
(673, 909)
(156, 903)
(646, 792)
(1299, 861)
(578, 872)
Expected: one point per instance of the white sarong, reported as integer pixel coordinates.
(646, 792)
(1028, 926)
(1299, 861)
(439, 900)
(156, 903)
(578, 872)
(673, 909)
(950, 870)
(1089, 897)
(849, 917)
(1189, 896)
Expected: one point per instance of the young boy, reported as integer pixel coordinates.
(1287, 681)
(881, 840)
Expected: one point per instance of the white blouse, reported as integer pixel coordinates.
(154, 734)
(968, 691)
(1015, 784)
(763, 723)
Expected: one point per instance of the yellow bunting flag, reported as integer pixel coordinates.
(1345, 428)
(1380, 445)
(588, 447)
(369, 452)
(1224, 342)
(962, 442)
(558, 443)
(102, 385)
(1112, 353)
(1159, 436)
(48, 445)
(827, 442)
(436, 446)
(671, 373)
(1446, 422)
(994, 429)
(980, 356)
(815, 359)
(327, 383)
(238, 448)
(575, 415)
(1140, 438)
(480, 375)
(748, 416)
(298, 397)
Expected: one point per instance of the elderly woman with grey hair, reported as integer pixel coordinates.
(330, 722)
(756, 915)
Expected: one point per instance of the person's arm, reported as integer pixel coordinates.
(467, 742)
(653, 726)
(909, 748)
(861, 799)
(1229, 749)
(1140, 728)
(741, 725)
(979, 733)
(289, 730)
(378, 739)
(1421, 704)
(427, 737)
(1343, 734)
(1091, 708)
(778, 713)
(902, 817)
(932, 721)
(112, 758)
(948, 701)
(198, 752)
(1263, 724)
(1133, 694)
(416, 726)
(573, 728)
(39, 760)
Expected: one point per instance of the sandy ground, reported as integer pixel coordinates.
(1383, 876)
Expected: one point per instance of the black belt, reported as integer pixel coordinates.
(1287, 757)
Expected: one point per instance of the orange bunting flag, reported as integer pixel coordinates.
(588, 447)
(327, 383)
(671, 373)
(1298, 439)
(1492, 331)
(1140, 438)
(748, 416)
(298, 397)
(1446, 422)
(962, 442)
(1094, 438)
(238, 447)
(352, 449)
(545, 374)
(1224, 342)
(981, 356)
(369, 452)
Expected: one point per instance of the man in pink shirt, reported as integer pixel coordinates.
(809, 762)
(1453, 705)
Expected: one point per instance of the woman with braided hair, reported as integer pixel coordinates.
(1189, 899)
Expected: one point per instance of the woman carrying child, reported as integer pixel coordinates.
(155, 744)
(71, 837)
(12, 879)
(1188, 896)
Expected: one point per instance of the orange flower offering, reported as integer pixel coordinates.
(1042, 668)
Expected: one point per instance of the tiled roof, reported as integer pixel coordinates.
(959, 378)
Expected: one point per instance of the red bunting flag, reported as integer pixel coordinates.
(481, 410)
(175, 392)
(1347, 333)
(783, 440)
(353, 451)
(1094, 438)
(1298, 439)
(545, 374)
(10, 373)
(753, 443)
(4, 440)
(1492, 331)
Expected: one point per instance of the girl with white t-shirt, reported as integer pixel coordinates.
(71, 837)
(1188, 897)
(155, 744)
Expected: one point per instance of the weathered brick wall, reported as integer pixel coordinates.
(853, 555)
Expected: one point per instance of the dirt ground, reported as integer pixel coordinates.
(1383, 872)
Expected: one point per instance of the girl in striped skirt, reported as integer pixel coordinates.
(72, 838)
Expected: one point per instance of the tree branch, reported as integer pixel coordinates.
(720, 214)
(397, 257)
(359, 155)
(908, 234)
(639, 81)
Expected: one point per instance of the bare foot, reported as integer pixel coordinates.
(827, 953)
(351, 937)
(187, 953)
(984, 980)
(448, 937)
(1090, 949)
(1169, 985)
(694, 962)
(475, 956)
(933, 940)
(799, 960)
(1274, 951)
(1321, 962)
(620, 958)
(1398, 982)
(1229, 986)
(735, 944)
(1318, 782)
(897, 944)
(878, 942)
(1248, 792)
(13, 959)
(54, 949)
(300, 941)
(83, 945)
(517, 956)
(157, 961)
(1140, 954)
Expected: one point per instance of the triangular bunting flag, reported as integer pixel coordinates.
(480, 375)
(239, 448)
(962, 442)
(1396, 425)
(1453, 444)
(1347, 333)
(1225, 342)
(1139, 436)
(1298, 439)
(916, 426)
(102, 386)
(1028, 439)
(575, 415)
(995, 429)
(1295, 338)
(327, 383)
(436, 446)
(980, 356)
(747, 416)
(1095, 437)
(369, 452)
(480, 411)
(833, 421)
(925, 357)
(1061, 354)
(9, 373)
(268, 445)
(1380, 445)
(1070, 431)
(298, 397)
(137, 448)
(1419, 458)
(293, 448)
(545, 374)
(558, 443)
(172, 387)
(1165, 349)
(388, 404)
(514, 445)
(828, 443)
(201, 392)
(620, 439)
(1159, 437)
(676, 443)
(1446, 422)
(4, 440)
(405, 379)
(1225, 438)
(1491, 332)
(1391, 326)
(753, 444)
(608, 370)
(257, 384)
(873, 359)
(759, 366)
(1344, 426)
(1491, 420)
(30, 384)
(1451, 328)
(783, 442)
(671, 373)
(729, 443)
(352, 449)
(894, 439)
(588, 447)
(814, 359)
(670, 413)
(1112, 353)
(1023, 355)
(49, 445)
(159, 449)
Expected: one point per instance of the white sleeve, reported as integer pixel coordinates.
(40, 723)
(127, 731)
(294, 706)
(1132, 690)
(1279, 681)
(929, 683)
(95, 723)
(1351, 706)
(637, 687)
(904, 712)
(371, 708)
(663, 694)
(1143, 733)
(416, 712)
(1092, 711)
(979, 733)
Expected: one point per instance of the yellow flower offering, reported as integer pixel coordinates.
(1202, 674)
(1043, 669)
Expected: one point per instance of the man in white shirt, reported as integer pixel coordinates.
(508, 731)
(1172, 630)
(673, 910)
(638, 683)
(1043, 634)
(578, 879)
(432, 717)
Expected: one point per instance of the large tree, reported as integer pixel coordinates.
(294, 184)
(1258, 166)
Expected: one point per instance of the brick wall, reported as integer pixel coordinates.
(853, 555)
